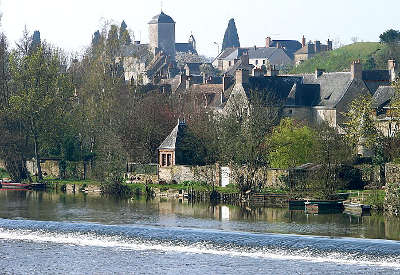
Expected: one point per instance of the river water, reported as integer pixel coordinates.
(48, 233)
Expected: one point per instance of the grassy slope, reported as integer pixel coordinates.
(340, 59)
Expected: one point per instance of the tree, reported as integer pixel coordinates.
(124, 35)
(390, 36)
(242, 133)
(291, 144)
(231, 37)
(360, 125)
(41, 95)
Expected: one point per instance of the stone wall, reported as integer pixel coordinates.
(50, 168)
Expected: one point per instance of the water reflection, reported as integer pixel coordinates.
(53, 206)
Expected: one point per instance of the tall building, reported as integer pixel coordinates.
(162, 35)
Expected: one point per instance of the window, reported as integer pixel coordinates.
(169, 158)
(230, 63)
(163, 160)
(256, 62)
(264, 62)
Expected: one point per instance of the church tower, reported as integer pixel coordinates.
(162, 34)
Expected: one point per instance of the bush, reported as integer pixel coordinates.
(116, 188)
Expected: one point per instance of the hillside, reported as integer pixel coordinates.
(373, 55)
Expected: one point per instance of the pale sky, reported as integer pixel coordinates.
(70, 24)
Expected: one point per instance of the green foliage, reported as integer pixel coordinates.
(290, 145)
(231, 37)
(360, 125)
(3, 173)
(390, 36)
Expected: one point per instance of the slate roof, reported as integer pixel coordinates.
(194, 67)
(382, 96)
(278, 87)
(291, 46)
(232, 70)
(275, 56)
(184, 48)
(161, 18)
(332, 86)
(376, 78)
(170, 141)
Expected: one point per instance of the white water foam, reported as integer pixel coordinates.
(94, 240)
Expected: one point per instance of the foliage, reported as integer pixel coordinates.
(231, 37)
(241, 135)
(290, 145)
(390, 36)
(360, 126)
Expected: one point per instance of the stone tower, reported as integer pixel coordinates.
(162, 34)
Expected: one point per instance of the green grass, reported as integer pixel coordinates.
(340, 59)
(3, 173)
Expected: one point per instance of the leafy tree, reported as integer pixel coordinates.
(231, 37)
(390, 36)
(41, 93)
(291, 144)
(242, 132)
(360, 125)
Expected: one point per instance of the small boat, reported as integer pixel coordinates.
(357, 208)
(323, 207)
(14, 185)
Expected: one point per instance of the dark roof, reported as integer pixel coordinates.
(382, 96)
(332, 86)
(161, 18)
(185, 48)
(376, 75)
(304, 95)
(194, 68)
(290, 46)
(276, 86)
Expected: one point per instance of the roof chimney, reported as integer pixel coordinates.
(268, 42)
(393, 70)
(303, 41)
(245, 58)
(356, 70)
(242, 76)
(272, 71)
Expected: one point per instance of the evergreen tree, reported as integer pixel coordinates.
(231, 37)
(124, 36)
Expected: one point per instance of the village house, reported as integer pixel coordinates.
(314, 98)
(309, 50)
(386, 114)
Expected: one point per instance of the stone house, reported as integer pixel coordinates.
(387, 120)
(314, 98)
(257, 57)
(309, 50)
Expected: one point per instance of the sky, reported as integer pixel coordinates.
(69, 24)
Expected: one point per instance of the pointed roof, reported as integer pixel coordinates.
(162, 18)
(170, 141)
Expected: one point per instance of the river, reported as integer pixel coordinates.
(48, 233)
